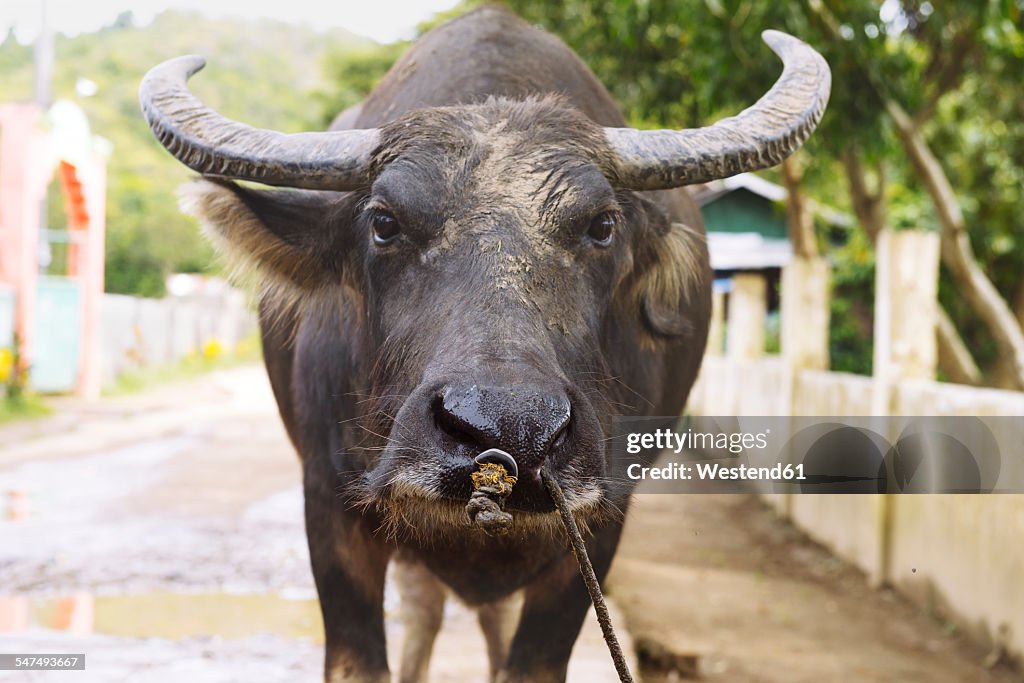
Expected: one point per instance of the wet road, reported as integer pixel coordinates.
(161, 534)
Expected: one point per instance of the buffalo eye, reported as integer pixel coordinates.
(385, 227)
(601, 228)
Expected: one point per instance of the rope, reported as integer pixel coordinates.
(492, 484)
(579, 549)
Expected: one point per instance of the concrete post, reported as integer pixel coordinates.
(906, 310)
(716, 329)
(748, 305)
(906, 314)
(806, 284)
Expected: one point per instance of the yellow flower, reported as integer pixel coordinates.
(6, 365)
(213, 349)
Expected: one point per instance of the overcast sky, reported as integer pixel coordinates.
(382, 20)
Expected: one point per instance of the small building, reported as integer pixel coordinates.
(745, 218)
(747, 233)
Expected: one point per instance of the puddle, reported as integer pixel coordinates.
(172, 616)
(105, 547)
(166, 637)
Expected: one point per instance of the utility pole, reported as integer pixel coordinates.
(42, 53)
(43, 58)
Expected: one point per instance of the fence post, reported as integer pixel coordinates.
(906, 301)
(806, 283)
(716, 328)
(906, 313)
(748, 304)
(804, 312)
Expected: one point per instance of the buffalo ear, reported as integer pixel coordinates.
(285, 235)
(673, 288)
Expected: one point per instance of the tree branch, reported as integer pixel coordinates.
(799, 218)
(867, 205)
(957, 253)
(954, 357)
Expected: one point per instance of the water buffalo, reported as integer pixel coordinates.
(481, 255)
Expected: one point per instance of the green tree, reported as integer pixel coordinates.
(954, 66)
(352, 74)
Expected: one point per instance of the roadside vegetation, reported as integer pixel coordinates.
(212, 356)
(17, 401)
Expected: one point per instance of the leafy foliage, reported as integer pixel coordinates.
(956, 66)
(352, 75)
(852, 306)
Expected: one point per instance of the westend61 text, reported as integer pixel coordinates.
(714, 472)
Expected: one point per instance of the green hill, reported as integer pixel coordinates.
(265, 73)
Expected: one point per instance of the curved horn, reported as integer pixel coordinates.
(216, 146)
(758, 137)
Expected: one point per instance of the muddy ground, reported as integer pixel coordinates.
(161, 534)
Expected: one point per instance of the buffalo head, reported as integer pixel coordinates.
(499, 273)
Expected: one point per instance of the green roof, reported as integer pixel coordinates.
(744, 211)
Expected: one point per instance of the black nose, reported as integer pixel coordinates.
(524, 421)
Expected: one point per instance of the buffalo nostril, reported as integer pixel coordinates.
(457, 413)
(521, 420)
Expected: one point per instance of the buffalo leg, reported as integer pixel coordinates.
(498, 622)
(422, 612)
(349, 563)
(554, 608)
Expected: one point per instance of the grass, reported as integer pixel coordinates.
(26, 407)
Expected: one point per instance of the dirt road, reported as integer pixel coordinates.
(161, 535)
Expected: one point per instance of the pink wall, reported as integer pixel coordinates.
(23, 179)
